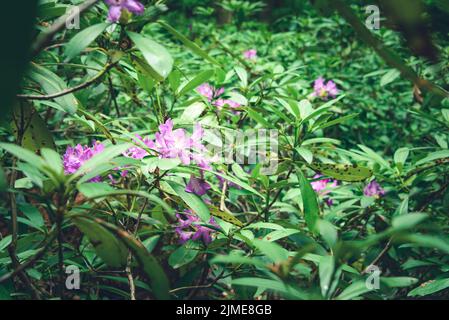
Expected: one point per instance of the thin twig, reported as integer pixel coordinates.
(68, 90)
(376, 260)
(30, 262)
(223, 196)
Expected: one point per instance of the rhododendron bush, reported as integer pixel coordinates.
(224, 150)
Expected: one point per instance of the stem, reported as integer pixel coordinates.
(68, 90)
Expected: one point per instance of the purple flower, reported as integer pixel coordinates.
(373, 189)
(173, 143)
(75, 157)
(229, 183)
(137, 152)
(178, 144)
(250, 54)
(321, 187)
(198, 186)
(324, 90)
(189, 228)
(116, 7)
(209, 92)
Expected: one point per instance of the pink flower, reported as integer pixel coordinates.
(324, 90)
(138, 152)
(373, 189)
(194, 230)
(209, 92)
(75, 157)
(173, 143)
(178, 144)
(198, 186)
(321, 187)
(250, 54)
(116, 7)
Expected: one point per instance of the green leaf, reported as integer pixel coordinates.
(182, 256)
(256, 116)
(427, 241)
(83, 38)
(326, 271)
(272, 250)
(189, 44)
(151, 243)
(53, 161)
(314, 113)
(112, 251)
(336, 121)
(243, 76)
(389, 77)
(157, 57)
(94, 194)
(237, 259)
(279, 234)
(3, 180)
(28, 124)
(52, 83)
(225, 216)
(24, 155)
(398, 282)
(192, 200)
(354, 290)
(32, 213)
(199, 79)
(433, 156)
(305, 153)
(95, 189)
(374, 156)
(328, 232)
(342, 172)
(162, 164)
(153, 270)
(430, 287)
(408, 221)
(237, 182)
(270, 284)
(5, 242)
(310, 202)
(401, 155)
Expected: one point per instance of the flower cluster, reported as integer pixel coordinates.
(212, 94)
(117, 6)
(250, 54)
(190, 229)
(322, 186)
(373, 189)
(168, 143)
(75, 157)
(324, 90)
(138, 152)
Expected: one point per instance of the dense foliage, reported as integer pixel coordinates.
(226, 150)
